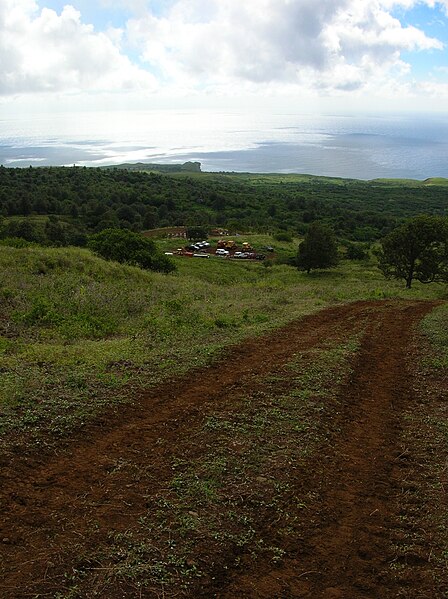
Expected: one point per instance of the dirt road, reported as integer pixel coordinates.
(56, 508)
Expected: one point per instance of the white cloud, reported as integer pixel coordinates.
(211, 46)
(337, 44)
(44, 51)
(433, 90)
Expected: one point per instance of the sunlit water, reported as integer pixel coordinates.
(411, 146)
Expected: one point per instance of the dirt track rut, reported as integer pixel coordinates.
(345, 552)
(48, 503)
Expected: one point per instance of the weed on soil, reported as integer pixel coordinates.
(234, 497)
(301, 465)
(419, 547)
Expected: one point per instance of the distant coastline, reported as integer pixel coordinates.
(358, 147)
(196, 167)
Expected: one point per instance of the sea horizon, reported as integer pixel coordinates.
(410, 146)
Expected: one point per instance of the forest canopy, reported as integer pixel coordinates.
(84, 200)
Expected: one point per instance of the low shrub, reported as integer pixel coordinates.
(125, 246)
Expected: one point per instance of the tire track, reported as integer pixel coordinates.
(345, 552)
(49, 504)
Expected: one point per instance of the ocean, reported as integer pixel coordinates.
(362, 146)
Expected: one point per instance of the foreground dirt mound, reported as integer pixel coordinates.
(90, 521)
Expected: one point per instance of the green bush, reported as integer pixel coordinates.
(357, 251)
(41, 312)
(283, 236)
(123, 245)
(16, 242)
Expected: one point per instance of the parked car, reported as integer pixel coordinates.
(222, 252)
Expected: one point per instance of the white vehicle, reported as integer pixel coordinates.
(222, 252)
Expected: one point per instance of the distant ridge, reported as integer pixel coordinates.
(186, 167)
(436, 181)
(196, 167)
(439, 181)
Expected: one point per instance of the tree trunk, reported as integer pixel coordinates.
(410, 275)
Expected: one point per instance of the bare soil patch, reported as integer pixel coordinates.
(61, 513)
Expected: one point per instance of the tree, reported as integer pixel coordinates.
(150, 218)
(196, 232)
(126, 213)
(356, 251)
(318, 249)
(25, 206)
(123, 245)
(24, 229)
(418, 249)
(55, 232)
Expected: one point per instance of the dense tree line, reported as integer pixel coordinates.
(82, 201)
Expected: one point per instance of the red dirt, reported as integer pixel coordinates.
(48, 503)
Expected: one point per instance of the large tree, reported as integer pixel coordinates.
(318, 249)
(418, 249)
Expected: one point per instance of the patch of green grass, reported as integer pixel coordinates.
(74, 326)
(435, 326)
(436, 181)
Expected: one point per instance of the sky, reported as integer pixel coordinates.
(289, 55)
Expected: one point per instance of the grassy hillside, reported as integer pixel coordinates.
(78, 334)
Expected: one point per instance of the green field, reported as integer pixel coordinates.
(78, 334)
